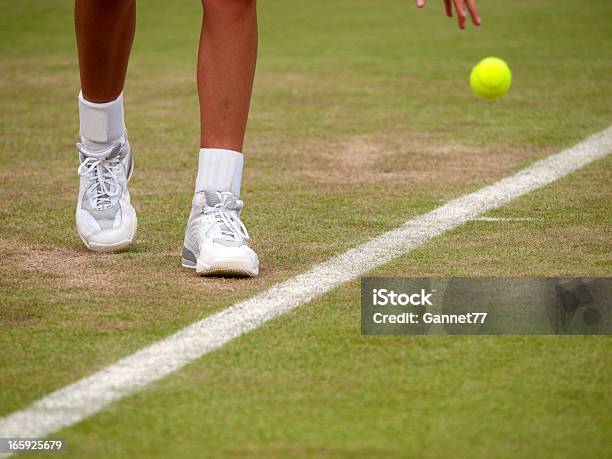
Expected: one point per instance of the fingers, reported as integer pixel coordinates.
(449, 8)
(460, 7)
(471, 6)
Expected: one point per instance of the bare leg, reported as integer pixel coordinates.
(105, 32)
(226, 68)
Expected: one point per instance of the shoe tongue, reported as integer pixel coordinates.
(213, 198)
(229, 202)
(103, 152)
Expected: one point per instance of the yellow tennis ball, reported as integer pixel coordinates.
(491, 78)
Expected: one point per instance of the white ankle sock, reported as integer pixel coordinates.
(219, 170)
(101, 124)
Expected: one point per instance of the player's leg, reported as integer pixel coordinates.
(106, 220)
(215, 240)
(226, 67)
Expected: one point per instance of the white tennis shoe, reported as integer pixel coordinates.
(105, 219)
(215, 238)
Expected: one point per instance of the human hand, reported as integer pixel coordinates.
(460, 6)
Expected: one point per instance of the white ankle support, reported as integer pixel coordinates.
(101, 123)
(219, 170)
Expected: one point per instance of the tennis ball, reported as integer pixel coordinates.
(491, 78)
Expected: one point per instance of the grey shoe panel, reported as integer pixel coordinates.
(127, 161)
(189, 255)
(104, 217)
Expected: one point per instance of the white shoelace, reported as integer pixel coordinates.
(102, 172)
(229, 223)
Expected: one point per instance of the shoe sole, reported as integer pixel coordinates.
(219, 271)
(114, 247)
(226, 272)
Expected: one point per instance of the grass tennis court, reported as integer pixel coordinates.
(362, 117)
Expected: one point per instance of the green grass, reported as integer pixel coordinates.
(362, 117)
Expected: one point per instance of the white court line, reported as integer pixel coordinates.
(91, 394)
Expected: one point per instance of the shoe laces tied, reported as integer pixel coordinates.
(226, 214)
(101, 168)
